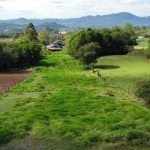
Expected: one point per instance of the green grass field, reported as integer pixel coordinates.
(142, 43)
(123, 70)
(63, 107)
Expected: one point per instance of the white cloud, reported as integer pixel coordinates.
(129, 1)
(70, 8)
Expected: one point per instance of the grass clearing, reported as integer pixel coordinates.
(124, 70)
(143, 42)
(74, 109)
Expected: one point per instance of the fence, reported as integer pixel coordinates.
(10, 79)
(128, 90)
(5, 89)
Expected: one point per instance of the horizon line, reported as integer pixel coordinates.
(74, 17)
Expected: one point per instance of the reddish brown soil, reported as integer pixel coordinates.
(10, 79)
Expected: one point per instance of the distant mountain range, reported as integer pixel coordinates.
(104, 21)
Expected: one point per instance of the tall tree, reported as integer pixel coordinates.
(81, 38)
(44, 37)
(6, 56)
(31, 33)
(131, 31)
(29, 52)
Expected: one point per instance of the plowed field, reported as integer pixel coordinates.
(10, 79)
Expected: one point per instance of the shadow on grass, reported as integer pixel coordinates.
(106, 67)
(45, 64)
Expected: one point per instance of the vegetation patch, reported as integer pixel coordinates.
(123, 71)
(71, 109)
(142, 42)
(143, 90)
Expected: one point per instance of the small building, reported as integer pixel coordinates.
(58, 42)
(53, 47)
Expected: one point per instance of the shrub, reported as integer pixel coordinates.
(88, 53)
(143, 90)
(140, 52)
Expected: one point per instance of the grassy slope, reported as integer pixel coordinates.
(74, 109)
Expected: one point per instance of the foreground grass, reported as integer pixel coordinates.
(73, 109)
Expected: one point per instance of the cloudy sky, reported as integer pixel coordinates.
(10, 9)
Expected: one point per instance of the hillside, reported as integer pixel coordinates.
(61, 106)
(20, 25)
(52, 25)
(98, 21)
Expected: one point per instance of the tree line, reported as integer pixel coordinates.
(88, 45)
(25, 51)
(85, 45)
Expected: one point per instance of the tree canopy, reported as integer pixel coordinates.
(44, 37)
(111, 41)
(24, 51)
(80, 39)
(31, 33)
(88, 53)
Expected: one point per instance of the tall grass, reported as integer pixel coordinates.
(69, 108)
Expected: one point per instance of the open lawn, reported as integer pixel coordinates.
(142, 43)
(63, 107)
(124, 70)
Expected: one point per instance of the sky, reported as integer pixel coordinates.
(12, 9)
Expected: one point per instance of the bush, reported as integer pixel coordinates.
(148, 53)
(88, 53)
(140, 52)
(143, 90)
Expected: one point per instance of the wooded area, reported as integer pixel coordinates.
(25, 51)
(115, 41)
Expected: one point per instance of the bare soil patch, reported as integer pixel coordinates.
(12, 78)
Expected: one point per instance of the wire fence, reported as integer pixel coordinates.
(6, 89)
(11, 79)
(127, 89)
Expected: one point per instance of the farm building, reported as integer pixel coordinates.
(59, 42)
(55, 46)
